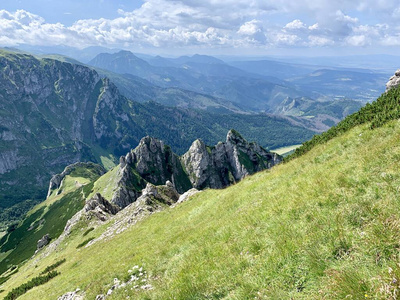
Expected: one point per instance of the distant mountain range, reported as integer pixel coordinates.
(249, 86)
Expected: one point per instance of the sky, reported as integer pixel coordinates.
(309, 27)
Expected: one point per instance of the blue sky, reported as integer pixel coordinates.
(206, 26)
(67, 11)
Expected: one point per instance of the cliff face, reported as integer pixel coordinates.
(52, 113)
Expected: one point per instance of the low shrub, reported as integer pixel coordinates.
(22, 289)
(53, 266)
(84, 243)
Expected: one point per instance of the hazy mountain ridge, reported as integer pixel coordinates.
(238, 89)
(216, 79)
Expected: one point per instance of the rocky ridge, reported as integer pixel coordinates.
(200, 167)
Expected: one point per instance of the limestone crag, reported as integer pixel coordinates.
(156, 163)
(43, 241)
(100, 207)
(129, 184)
(394, 81)
(138, 191)
(151, 161)
(201, 167)
(226, 163)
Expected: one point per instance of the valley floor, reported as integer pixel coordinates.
(323, 226)
(286, 150)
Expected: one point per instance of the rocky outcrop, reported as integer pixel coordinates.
(156, 163)
(151, 161)
(153, 198)
(138, 192)
(394, 81)
(44, 241)
(100, 207)
(225, 163)
(201, 167)
(186, 196)
(75, 295)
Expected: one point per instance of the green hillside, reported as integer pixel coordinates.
(48, 217)
(325, 225)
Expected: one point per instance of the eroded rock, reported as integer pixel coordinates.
(75, 295)
(44, 241)
(100, 207)
(394, 81)
(225, 163)
(186, 196)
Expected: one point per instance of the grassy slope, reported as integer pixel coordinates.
(48, 217)
(323, 226)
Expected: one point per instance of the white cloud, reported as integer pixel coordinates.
(318, 41)
(295, 24)
(357, 40)
(215, 23)
(285, 39)
(250, 28)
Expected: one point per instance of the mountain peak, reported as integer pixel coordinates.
(234, 137)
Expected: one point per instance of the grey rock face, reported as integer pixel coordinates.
(100, 207)
(75, 295)
(43, 241)
(153, 199)
(186, 196)
(156, 163)
(201, 167)
(57, 113)
(394, 81)
(129, 184)
(151, 161)
(226, 163)
(8, 161)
